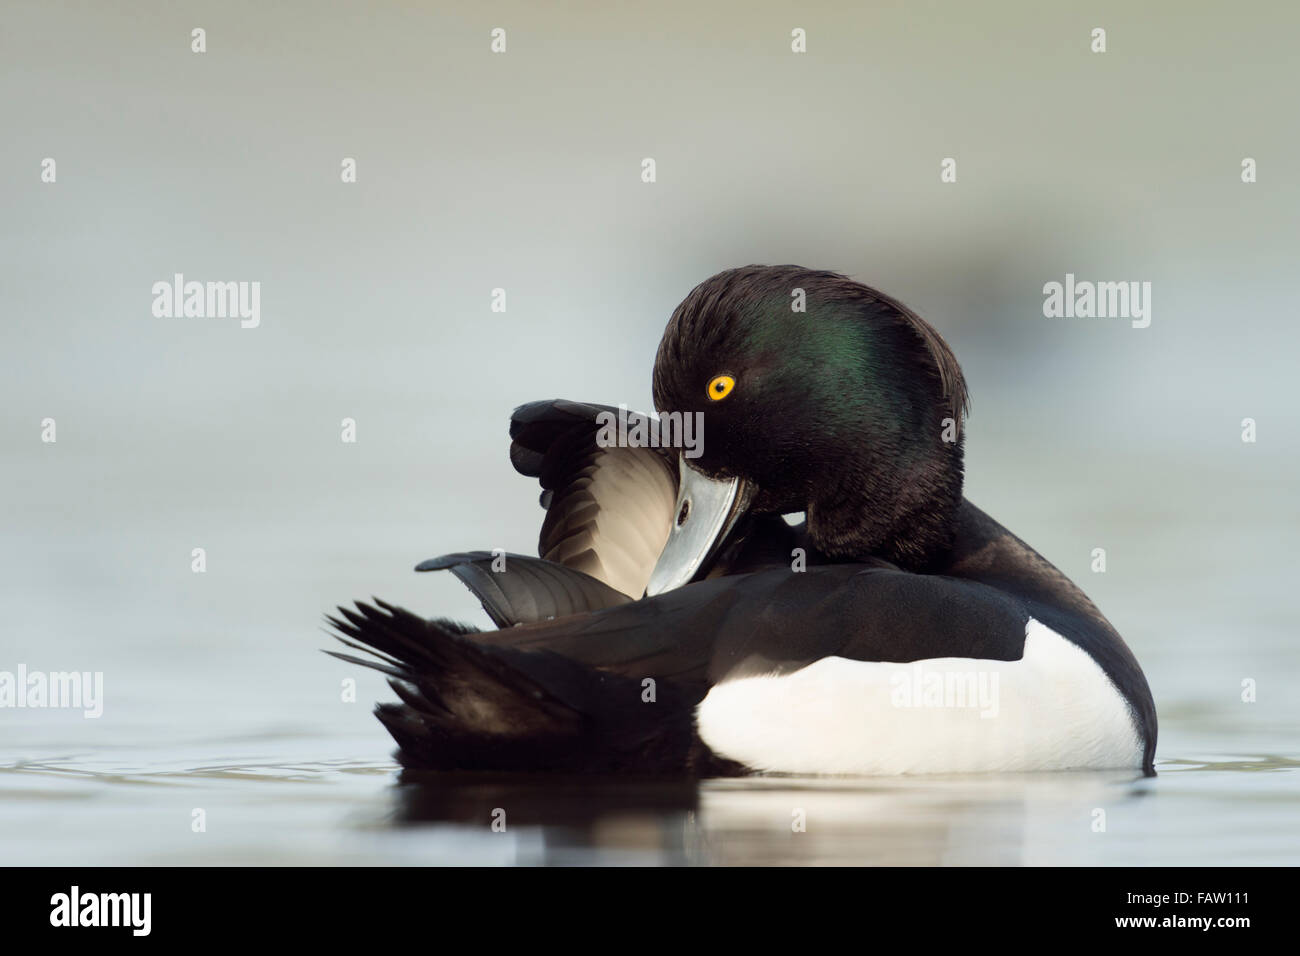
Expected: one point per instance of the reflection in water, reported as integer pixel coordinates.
(769, 820)
(535, 799)
(1265, 764)
(266, 804)
(640, 820)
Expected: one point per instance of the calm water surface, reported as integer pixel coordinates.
(218, 699)
(265, 807)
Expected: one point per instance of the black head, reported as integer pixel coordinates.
(824, 396)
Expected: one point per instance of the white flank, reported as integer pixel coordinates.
(1054, 709)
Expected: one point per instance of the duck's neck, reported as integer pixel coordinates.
(983, 550)
(909, 520)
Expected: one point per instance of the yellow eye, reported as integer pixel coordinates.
(721, 387)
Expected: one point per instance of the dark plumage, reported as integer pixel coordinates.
(865, 392)
(843, 412)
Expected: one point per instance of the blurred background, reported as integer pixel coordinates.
(522, 170)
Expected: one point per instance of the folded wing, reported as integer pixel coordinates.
(608, 509)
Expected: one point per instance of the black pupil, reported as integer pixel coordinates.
(681, 515)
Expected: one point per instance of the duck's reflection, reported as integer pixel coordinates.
(561, 819)
(926, 821)
(537, 799)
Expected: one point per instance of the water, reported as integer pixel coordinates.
(265, 807)
(218, 700)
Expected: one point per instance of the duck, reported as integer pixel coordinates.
(806, 591)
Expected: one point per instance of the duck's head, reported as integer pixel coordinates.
(818, 395)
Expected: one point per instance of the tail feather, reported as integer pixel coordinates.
(475, 682)
(469, 705)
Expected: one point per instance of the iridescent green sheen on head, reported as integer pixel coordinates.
(839, 405)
